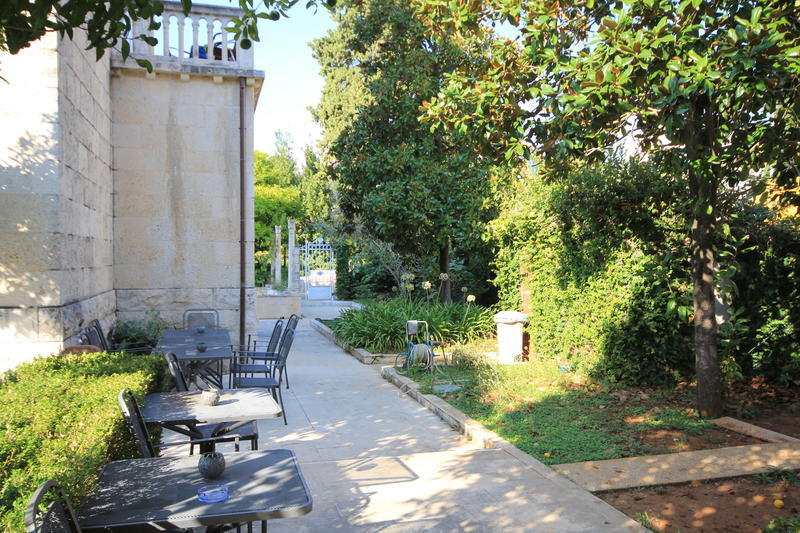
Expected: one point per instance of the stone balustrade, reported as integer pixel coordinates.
(200, 39)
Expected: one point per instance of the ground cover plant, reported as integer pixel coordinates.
(559, 417)
(59, 419)
(379, 327)
(134, 333)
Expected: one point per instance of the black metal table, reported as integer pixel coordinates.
(208, 365)
(160, 494)
(182, 411)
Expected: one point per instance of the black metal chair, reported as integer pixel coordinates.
(56, 517)
(198, 316)
(133, 416)
(272, 344)
(242, 375)
(93, 335)
(247, 431)
(271, 354)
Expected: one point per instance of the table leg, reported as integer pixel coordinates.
(207, 447)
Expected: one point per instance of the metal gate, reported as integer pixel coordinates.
(319, 271)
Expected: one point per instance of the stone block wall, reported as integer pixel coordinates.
(55, 197)
(176, 187)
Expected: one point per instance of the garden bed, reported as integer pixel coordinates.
(557, 419)
(745, 504)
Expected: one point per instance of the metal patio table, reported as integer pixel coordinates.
(160, 494)
(208, 365)
(182, 411)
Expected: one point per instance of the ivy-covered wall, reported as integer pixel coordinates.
(605, 258)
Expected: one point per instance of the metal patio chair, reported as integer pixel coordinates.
(133, 416)
(93, 335)
(247, 431)
(243, 374)
(58, 515)
(195, 317)
(272, 344)
(271, 354)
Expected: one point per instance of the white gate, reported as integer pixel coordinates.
(319, 270)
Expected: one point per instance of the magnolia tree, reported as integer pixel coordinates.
(712, 88)
(419, 190)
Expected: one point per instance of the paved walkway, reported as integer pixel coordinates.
(377, 461)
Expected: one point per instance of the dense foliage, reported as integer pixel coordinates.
(59, 419)
(380, 327)
(712, 88)
(420, 191)
(604, 255)
(132, 333)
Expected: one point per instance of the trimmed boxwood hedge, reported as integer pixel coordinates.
(59, 419)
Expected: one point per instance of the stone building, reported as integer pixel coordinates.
(119, 189)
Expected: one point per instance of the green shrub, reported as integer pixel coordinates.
(604, 255)
(137, 332)
(379, 327)
(59, 419)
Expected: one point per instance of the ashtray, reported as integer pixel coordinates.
(212, 493)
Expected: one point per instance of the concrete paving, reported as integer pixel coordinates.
(681, 467)
(375, 460)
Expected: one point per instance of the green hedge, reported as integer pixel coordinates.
(605, 256)
(379, 327)
(602, 254)
(59, 419)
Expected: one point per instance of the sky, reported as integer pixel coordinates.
(292, 82)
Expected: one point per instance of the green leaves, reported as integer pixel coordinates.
(59, 418)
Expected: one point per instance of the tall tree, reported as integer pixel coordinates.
(420, 191)
(711, 87)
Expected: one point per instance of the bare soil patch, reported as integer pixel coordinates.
(673, 440)
(740, 505)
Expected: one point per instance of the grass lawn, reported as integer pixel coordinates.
(558, 418)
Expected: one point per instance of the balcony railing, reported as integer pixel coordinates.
(198, 39)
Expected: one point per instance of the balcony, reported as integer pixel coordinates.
(198, 43)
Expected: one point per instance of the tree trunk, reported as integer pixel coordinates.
(444, 268)
(709, 384)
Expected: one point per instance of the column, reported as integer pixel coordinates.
(291, 281)
(276, 258)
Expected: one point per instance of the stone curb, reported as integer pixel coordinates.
(360, 354)
(472, 429)
(485, 438)
(752, 431)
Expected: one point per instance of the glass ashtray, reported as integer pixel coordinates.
(212, 493)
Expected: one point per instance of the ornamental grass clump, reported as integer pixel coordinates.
(59, 419)
(379, 327)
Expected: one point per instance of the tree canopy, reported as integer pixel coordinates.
(417, 189)
(711, 88)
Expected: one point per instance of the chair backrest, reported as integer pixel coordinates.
(90, 336)
(200, 317)
(291, 324)
(56, 517)
(130, 410)
(286, 345)
(275, 337)
(176, 373)
(103, 340)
